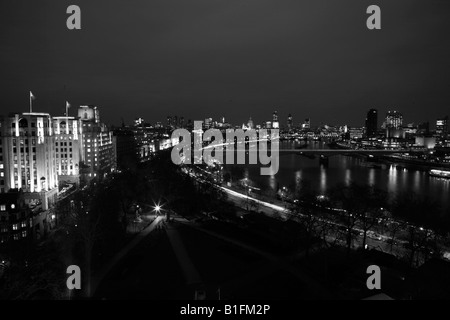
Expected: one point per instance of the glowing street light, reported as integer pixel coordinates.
(157, 208)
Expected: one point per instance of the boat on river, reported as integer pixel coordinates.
(440, 173)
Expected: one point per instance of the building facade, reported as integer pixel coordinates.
(98, 153)
(372, 123)
(18, 221)
(68, 148)
(394, 120)
(28, 157)
(442, 127)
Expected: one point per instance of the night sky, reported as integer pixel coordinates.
(232, 58)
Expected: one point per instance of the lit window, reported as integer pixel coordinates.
(15, 226)
(2, 207)
(13, 206)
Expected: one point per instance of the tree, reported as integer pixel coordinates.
(394, 227)
(306, 209)
(361, 207)
(426, 224)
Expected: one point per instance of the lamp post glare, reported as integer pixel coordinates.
(157, 209)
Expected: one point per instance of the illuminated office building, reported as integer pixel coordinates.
(28, 157)
(68, 148)
(289, 122)
(98, 146)
(275, 123)
(394, 119)
(442, 127)
(307, 124)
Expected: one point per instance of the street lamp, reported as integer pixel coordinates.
(157, 208)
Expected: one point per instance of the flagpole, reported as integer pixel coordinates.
(31, 108)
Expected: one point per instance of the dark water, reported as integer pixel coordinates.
(347, 169)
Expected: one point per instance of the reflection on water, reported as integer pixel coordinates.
(392, 179)
(345, 169)
(348, 176)
(371, 176)
(323, 179)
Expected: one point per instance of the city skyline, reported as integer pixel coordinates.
(208, 58)
(290, 117)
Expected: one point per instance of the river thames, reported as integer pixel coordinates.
(393, 178)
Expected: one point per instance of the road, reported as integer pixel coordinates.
(378, 242)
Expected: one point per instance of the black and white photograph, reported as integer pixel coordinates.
(222, 158)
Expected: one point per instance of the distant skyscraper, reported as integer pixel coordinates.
(289, 121)
(181, 122)
(189, 124)
(372, 123)
(208, 123)
(169, 121)
(275, 116)
(138, 121)
(442, 127)
(275, 123)
(394, 119)
(307, 124)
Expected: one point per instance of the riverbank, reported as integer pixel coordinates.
(415, 164)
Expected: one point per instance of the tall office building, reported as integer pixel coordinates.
(442, 127)
(306, 124)
(28, 157)
(275, 123)
(98, 150)
(139, 121)
(208, 123)
(68, 148)
(393, 125)
(372, 123)
(181, 122)
(394, 119)
(289, 122)
(275, 116)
